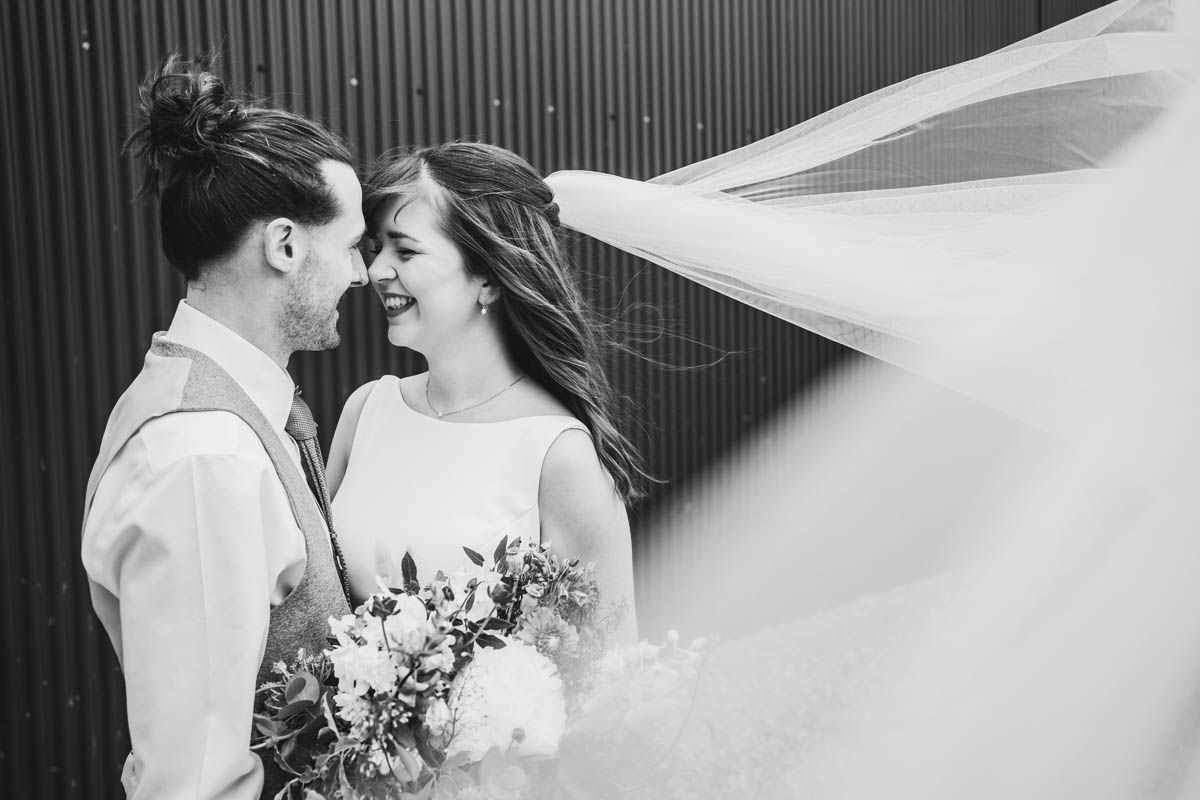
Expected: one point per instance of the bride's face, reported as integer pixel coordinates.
(419, 274)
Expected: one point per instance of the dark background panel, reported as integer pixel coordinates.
(626, 86)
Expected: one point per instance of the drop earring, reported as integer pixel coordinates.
(483, 307)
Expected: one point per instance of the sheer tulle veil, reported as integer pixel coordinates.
(969, 562)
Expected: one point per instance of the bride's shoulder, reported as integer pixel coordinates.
(531, 399)
(343, 435)
(358, 398)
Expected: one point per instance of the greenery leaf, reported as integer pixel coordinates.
(304, 686)
(497, 624)
(404, 737)
(268, 727)
(292, 709)
(408, 568)
(501, 549)
(476, 559)
(487, 640)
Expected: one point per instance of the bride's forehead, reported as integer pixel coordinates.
(409, 211)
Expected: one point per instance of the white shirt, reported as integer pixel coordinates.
(191, 533)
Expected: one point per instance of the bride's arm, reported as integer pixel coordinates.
(343, 438)
(582, 516)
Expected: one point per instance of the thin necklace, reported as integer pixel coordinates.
(441, 414)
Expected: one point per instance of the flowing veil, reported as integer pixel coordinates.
(967, 568)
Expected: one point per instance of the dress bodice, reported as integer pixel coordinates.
(430, 487)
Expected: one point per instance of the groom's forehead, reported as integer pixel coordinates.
(343, 182)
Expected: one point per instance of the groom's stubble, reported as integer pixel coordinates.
(310, 312)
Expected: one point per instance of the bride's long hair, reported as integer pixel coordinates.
(503, 218)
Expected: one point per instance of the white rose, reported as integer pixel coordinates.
(500, 692)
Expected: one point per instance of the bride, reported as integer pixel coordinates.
(510, 433)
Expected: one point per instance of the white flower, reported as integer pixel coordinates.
(485, 579)
(343, 628)
(513, 688)
(407, 628)
(355, 710)
(362, 668)
(442, 660)
(549, 633)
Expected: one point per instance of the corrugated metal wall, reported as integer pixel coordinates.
(635, 87)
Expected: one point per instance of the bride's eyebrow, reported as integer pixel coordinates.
(400, 235)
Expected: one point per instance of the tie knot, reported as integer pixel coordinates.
(300, 423)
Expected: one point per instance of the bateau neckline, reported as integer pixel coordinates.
(440, 421)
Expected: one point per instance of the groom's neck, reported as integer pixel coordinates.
(253, 321)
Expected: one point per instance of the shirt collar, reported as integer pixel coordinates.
(268, 385)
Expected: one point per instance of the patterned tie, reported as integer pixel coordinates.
(303, 428)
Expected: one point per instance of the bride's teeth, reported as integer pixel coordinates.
(396, 303)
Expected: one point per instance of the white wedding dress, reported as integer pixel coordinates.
(430, 487)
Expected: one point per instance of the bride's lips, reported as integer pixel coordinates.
(396, 304)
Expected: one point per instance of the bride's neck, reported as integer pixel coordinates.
(462, 376)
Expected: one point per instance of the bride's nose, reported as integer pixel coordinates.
(382, 270)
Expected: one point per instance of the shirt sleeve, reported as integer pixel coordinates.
(195, 587)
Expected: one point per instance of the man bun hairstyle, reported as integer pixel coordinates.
(219, 161)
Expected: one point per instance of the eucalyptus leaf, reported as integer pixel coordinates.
(304, 686)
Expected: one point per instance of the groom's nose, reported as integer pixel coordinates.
(360, 270)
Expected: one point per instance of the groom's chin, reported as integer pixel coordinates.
(328, 339)
(333, 336)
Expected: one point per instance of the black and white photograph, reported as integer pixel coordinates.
(600, 399)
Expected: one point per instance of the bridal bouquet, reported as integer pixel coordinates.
(479, 684)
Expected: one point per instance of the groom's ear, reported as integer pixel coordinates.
(283, 246)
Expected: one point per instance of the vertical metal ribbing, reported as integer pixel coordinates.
(87, 285)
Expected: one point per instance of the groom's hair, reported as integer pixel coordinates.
(219, 161)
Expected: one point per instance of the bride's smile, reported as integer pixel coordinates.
(396, 304)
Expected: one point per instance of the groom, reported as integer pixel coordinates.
(209, 554)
